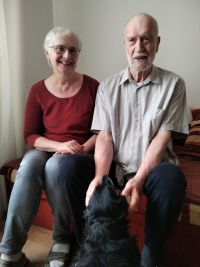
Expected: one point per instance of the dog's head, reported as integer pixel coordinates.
(106, 214)
(106, 203)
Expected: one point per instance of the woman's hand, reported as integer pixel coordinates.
(70, 147)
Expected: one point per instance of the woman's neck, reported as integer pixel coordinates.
(64, 86)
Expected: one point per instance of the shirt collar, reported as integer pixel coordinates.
(152, 77)
(125, 76)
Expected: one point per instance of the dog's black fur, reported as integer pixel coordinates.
(106, 239)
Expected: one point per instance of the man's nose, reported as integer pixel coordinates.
(139, 45)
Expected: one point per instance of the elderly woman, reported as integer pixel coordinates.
(58, 117)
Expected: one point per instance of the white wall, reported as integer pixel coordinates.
(38, 20)
(100, 24)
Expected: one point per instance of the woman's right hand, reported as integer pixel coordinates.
(70, 147)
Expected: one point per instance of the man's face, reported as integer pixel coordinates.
(141, 43)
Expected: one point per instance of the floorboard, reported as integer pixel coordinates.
(38, 245)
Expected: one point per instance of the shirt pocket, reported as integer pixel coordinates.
(152, 123)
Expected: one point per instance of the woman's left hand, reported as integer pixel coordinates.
(71, 147)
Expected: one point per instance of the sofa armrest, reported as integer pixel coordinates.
(9, 170)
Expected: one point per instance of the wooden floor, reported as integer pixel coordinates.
(37, 246)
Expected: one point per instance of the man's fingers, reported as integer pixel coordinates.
(134, 203)
(89, 195)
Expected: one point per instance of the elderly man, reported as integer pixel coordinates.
(136, 112)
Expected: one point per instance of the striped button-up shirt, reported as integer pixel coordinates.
(133, 113)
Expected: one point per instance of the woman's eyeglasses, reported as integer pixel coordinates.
(61, 49)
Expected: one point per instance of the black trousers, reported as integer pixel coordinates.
(164, 188)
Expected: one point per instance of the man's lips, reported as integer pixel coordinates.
(140, 57)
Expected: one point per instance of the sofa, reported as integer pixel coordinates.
(183, 247)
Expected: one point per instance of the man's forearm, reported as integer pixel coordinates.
(103, 158)
(134, 187)
(154, 154)
(103, 153)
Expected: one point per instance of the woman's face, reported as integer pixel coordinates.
(63, 54)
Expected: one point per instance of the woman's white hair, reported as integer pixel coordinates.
(59, 31)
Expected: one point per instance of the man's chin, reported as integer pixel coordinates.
(139, 68)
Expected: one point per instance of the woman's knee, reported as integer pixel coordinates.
(32, 165)
(52, 164)
(51, 171)
(35, 159)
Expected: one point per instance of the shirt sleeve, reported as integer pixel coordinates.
(33, 125)
(176, 114)
(101, 119)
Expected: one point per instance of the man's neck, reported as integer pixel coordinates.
(139, 77)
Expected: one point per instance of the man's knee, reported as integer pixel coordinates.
(166, 178)
(70, 164)
(75, 166)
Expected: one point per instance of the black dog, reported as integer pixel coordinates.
(106, 240)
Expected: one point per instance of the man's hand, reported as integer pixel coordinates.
(133, 192)
(95, 182)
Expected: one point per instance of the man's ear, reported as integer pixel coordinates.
(158, 43)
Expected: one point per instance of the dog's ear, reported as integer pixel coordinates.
(106, 181)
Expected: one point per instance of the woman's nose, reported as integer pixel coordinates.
(67, 53)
